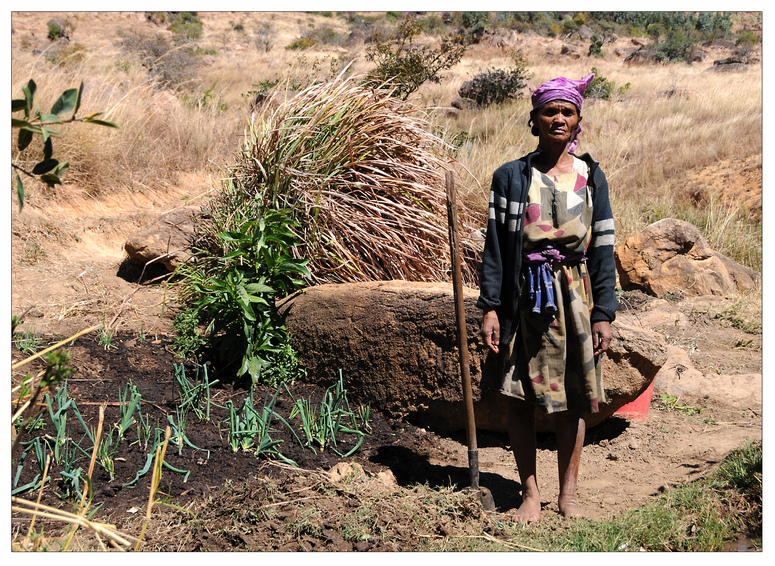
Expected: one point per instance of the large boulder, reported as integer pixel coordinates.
(671, 257)
(166, 242)
(396, 347)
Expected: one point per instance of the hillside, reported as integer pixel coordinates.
(675, 143)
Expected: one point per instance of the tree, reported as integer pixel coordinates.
(48, 170)
(403, 65)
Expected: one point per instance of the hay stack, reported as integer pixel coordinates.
(364, 178)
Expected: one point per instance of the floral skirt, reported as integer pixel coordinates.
(551, 363)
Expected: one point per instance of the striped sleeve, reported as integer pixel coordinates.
(600, 254)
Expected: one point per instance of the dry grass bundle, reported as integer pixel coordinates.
(363, 175)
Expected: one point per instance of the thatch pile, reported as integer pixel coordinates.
(364, 177)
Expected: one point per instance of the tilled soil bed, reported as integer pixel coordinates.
(221, 499)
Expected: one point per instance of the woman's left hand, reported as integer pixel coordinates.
(601, 336)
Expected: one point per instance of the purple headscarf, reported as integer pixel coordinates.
(563, 89)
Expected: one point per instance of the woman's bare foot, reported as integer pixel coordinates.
(530, 509)
(569, 507)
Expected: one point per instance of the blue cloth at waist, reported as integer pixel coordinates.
(540, 288)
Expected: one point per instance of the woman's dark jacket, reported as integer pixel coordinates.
(502, 256)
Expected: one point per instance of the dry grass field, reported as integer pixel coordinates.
(681, 141)
(680, 134)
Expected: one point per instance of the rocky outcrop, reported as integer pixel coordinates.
(395, 344)
(165, 242)
(679, 378)
(570, 51)
(671, 257)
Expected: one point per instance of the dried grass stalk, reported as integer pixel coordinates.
(364, 177)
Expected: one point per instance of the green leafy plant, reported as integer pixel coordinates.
(603, 88)
(194, 396)
(403, 65)
(596, 46)
(129, 402)
(232, 292)
(322, 427)
(59, 29)
(28, 341)
(185, 25)
(105, 338)
(48, 170)
(250, 428)
(496, 86)
(300, 44)
(671, 403)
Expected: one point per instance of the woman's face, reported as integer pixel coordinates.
(556, 121)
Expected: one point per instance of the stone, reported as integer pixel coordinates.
(571, 51)
(165, 242)
(728, 68)
(670, 257)
(396, 346)
(585, 32)
(465, 103)
(679, 378)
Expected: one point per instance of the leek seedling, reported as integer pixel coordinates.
(129, 402)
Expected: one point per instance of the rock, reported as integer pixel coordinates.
(585, 32)
(464, 103)
(735, 59)
(394, 341)
(671, 257)
(728, 68)
(697, 56)
(501, 38)
(357, 38)
(571, 51)
(679, 378)
(165, 242)
(723, 44)
(395, 344)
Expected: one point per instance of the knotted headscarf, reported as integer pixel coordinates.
(563, 89)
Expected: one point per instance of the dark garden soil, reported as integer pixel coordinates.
(222, 500)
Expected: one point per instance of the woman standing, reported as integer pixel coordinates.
(547, 289)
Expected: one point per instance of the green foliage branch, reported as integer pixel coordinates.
(230, 292)
(496, 86)
(404, 65)
(48, 170)
(604, 88)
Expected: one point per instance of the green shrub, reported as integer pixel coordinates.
(71, 53)
(403, 66)
(605, 89)
(58, 28)
(497, 85)
(230, 290)
(569, 25)
(301, 44)
(185, 25)
(675, 48)
(596, 47)
(746, 37)
(325, 35)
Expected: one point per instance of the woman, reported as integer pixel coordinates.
(548, 254)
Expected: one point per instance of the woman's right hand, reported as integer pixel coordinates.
(491, 330)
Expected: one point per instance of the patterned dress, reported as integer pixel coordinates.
(550, 361)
